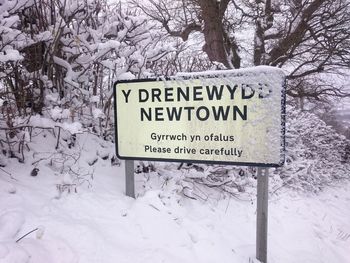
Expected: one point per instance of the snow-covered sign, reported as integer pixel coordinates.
(231, 116)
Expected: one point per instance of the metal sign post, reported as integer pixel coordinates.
(261, 214)
(129, 178)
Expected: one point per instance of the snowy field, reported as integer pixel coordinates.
(98, 223)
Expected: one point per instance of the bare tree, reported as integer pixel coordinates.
(306, 37)
(183, 17)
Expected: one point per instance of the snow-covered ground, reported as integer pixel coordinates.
(98, 223)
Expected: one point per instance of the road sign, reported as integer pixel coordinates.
(234, 117)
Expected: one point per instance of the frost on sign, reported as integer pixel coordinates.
(233, 116)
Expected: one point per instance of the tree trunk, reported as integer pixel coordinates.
(217, 45)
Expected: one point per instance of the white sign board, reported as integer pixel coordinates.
(233, 116)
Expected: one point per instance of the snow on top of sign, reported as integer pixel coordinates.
(271, 75)
(231, 72)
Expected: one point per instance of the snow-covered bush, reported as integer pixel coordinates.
(197, 181)
(58, 61)
(316, 154)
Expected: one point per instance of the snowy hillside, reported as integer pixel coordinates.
(89, 220)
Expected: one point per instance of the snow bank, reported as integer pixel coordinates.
(100, 224)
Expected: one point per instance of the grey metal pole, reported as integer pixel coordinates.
(261, 214)
(129, 178)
